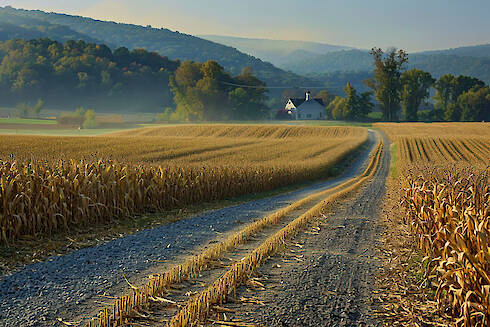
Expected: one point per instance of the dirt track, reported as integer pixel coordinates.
(326, 277)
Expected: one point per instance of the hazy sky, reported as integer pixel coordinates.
(409, 24)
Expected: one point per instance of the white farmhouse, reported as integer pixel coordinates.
(305, 109)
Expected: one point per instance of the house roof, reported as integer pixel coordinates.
(298, 101)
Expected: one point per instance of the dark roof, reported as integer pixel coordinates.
(298, 101)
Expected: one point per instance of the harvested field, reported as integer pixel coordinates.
(50, 184)
(445, 203)
(440, 142)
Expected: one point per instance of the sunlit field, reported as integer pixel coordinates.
(53, 183)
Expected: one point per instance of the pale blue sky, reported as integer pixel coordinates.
(409, 24)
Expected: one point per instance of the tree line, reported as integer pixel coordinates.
(401, 93)
(78, 73)
(83, 73)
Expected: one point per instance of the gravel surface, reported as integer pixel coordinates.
(334, 283)
(39, 293)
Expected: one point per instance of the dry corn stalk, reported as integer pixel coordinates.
(448, 208)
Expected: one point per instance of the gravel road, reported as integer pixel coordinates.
(334, 282)
(40, 293)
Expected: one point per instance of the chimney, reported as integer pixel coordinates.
(308, 95)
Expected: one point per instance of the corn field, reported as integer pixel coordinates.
(51, 184)
(446, 180)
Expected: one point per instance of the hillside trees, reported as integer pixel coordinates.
(83, 73)
(205, 91)
(415, 89)
(386, 82)
(61, 27)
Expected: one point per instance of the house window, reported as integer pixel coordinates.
(321, 115)
(308, 116)
(299, 115)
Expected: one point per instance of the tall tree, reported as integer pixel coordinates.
(444, 87)
(463, 84)
(252, 99)
(365, 104)
(415, 89)
(335, 108)
(351, 102)
(386, 82)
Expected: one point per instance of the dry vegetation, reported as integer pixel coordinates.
(49, 184)
(199, 306)
(445, 204)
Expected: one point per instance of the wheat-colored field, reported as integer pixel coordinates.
(440, 142)
(446, 180)
(50, 184)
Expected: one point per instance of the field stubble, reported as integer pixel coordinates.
(445, 204)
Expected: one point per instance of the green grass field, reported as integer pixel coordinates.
(24, 121)
(60, 132)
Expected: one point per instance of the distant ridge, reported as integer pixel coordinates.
(31, 23)
(482, 50)
(437, 63)
(275, 51)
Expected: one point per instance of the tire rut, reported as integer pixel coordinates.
(332, 284)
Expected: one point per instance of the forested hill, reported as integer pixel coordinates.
(173, 45)
(362, 61)
(482, 50)
(78, 73)
(275, 51)
(34, 29)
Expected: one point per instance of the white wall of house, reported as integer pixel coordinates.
(310, 109)
(290, 105)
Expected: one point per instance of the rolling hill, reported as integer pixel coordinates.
(275, 51)
(361, 61)
(30, 24)
(482, 50)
